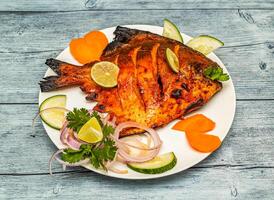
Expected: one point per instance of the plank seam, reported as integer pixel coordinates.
(242, 167)
(24, 12)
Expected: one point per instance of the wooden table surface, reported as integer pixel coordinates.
(33, 30)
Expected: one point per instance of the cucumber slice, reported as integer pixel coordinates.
(55, 117)
(172, 60)
(205, 44)
(171, 31)
(157, 165)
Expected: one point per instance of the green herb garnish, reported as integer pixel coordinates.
(78, 117)
(216, 73)
(98, 153)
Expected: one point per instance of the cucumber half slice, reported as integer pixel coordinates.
(172, 60)
(171, 31)
(54, 117)
(157, 165)
(205, 44)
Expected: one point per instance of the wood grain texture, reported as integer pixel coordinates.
(60, 5)
(36, 32)
(31, 31)
(248, 54)
(29, 152)
(214, 183)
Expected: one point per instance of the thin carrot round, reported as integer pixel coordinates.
(195, 123)
(203, 142)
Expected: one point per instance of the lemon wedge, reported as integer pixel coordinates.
(91, 132)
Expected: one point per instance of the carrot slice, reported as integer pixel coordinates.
(96, 38)
(203, 142)
(195, 123)
(83, 52)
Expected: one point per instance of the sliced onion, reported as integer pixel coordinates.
(79, 140)
(65, 164)
(125, 155)
(118, 171)
(73, 143)
(64, 133)
(149, 139)
(140, 147)
(120, 159)
(135, 142)
(70, 138)
(110, 166)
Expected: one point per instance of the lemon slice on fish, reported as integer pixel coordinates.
(91, 132)
(105, 74)
(172, 60)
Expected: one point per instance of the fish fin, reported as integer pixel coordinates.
(122, 36)
(49, 83)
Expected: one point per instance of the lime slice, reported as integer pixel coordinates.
(54, 117)
(105, 74)
(205, 44)
(171, 31)
(91, 132)
(172, 60)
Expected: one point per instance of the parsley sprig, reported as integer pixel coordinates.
(216, 73)
(98, 153)
(78, 117)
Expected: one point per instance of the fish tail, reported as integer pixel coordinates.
(49, 83)
(67, 75)
(55, 65)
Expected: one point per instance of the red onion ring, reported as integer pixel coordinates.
(54, 157)
(70, 138)
(110, 167)
(73, 143)
(140, 148)
(126, 156)
(64, 133)
(76, 137)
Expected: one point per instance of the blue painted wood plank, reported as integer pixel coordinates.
(32, 32)
(59, 5)
(243, 168)
(248, 51)
(248, 144)
(209, 183)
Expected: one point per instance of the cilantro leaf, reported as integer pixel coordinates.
(77, 118)
(98, 154)
(107, 130)
(216, 73)
(103, 154)
(72, 156)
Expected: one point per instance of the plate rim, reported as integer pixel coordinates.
(149, 176)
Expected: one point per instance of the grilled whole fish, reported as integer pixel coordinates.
(148, 91)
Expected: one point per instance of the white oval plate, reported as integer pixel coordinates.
(220, 109)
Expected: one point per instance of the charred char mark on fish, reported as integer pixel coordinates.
(148, 91)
